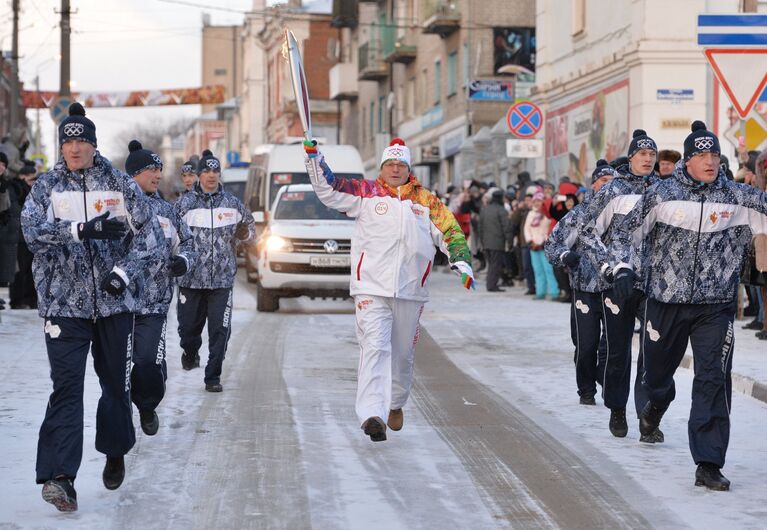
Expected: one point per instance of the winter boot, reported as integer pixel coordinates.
(114, 472)
(396, 419)
(588, 400)
(190, 360)
(214, 387)
(61, 493)
(149, 422)
(618, 426)
(649, 419)
(655, 437)
(375, 428)
(708, 475)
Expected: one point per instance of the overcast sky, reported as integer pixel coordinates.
(116, 45)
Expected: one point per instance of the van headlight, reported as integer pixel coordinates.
(278, 244)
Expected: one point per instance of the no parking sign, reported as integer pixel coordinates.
(524, 119)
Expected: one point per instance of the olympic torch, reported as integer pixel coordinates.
(297, 76)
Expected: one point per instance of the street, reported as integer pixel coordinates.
(493, 437)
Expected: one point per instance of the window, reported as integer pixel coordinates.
(423, 100)
(411, 97)
(465, 64)
(219, 71)
(579, 17)
(372, 118)
(452, 59)
(437, 82)
(381, 107)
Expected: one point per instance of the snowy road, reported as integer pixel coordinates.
(493, 437)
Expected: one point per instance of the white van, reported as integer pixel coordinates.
(235, 180)
(275, 165)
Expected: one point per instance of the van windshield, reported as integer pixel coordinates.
(279, 180)
(305, 205)
(236, 188)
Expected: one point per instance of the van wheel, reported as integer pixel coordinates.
(266, 301)
(251, 274)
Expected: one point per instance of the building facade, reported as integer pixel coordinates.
(607, 68)
(427, 71)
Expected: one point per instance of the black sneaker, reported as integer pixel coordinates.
(61, 493)
(375, 428)
(649, 419)
(618, 426)
(114, 472)
(655, 437)
(709, 475)
(588, 400)
(149, 422)
(754, 324)
(214, 387)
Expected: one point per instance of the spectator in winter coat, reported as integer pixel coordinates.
(172, 258)
(218, 221)
(697, 227)
(93, 236)
(603, 214)
(495, 233)
(536, 232)
(667, 159)
(10, 215)
(398, 223)
(22, 290)
(518, 218)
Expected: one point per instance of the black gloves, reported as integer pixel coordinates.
(623, 284)
(571, 259)
(102, 228)
(113, 284)
(177, 266)
(242, 232)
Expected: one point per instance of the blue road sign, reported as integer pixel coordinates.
(732, 30)
(524, 119)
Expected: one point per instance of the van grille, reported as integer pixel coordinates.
(317, 246)
(305, 268)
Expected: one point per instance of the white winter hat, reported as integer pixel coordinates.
(397, 150)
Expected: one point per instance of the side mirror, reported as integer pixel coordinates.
(258, 217)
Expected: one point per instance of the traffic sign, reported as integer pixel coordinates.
(524, 119)
(743, 29)
(742, 73)
(60, 109)
(524, 148)
(755, 133)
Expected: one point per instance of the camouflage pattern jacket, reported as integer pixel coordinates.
(214, 220)
(68, 271)
(697, 237)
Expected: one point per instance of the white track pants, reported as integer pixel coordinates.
(387, 331)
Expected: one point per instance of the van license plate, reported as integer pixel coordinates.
(330, 261)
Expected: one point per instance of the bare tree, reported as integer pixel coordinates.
(150, 133)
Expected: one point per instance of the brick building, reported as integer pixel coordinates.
(415, 63)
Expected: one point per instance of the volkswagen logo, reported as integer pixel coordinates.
(73, 129)
(331, 246)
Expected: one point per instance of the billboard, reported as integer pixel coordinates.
(592, 127)
(514, 46)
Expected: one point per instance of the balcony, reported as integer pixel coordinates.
(371, 66)
(441, 17)
(343, 82)
(396, 50)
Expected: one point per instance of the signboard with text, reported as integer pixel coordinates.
(491, 90)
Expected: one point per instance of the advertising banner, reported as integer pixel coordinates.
(592, 127)
(206, 95)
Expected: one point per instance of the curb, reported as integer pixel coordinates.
(740, 383)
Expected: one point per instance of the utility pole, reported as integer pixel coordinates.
(66, 30)
(15, 67)
(38, 141)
